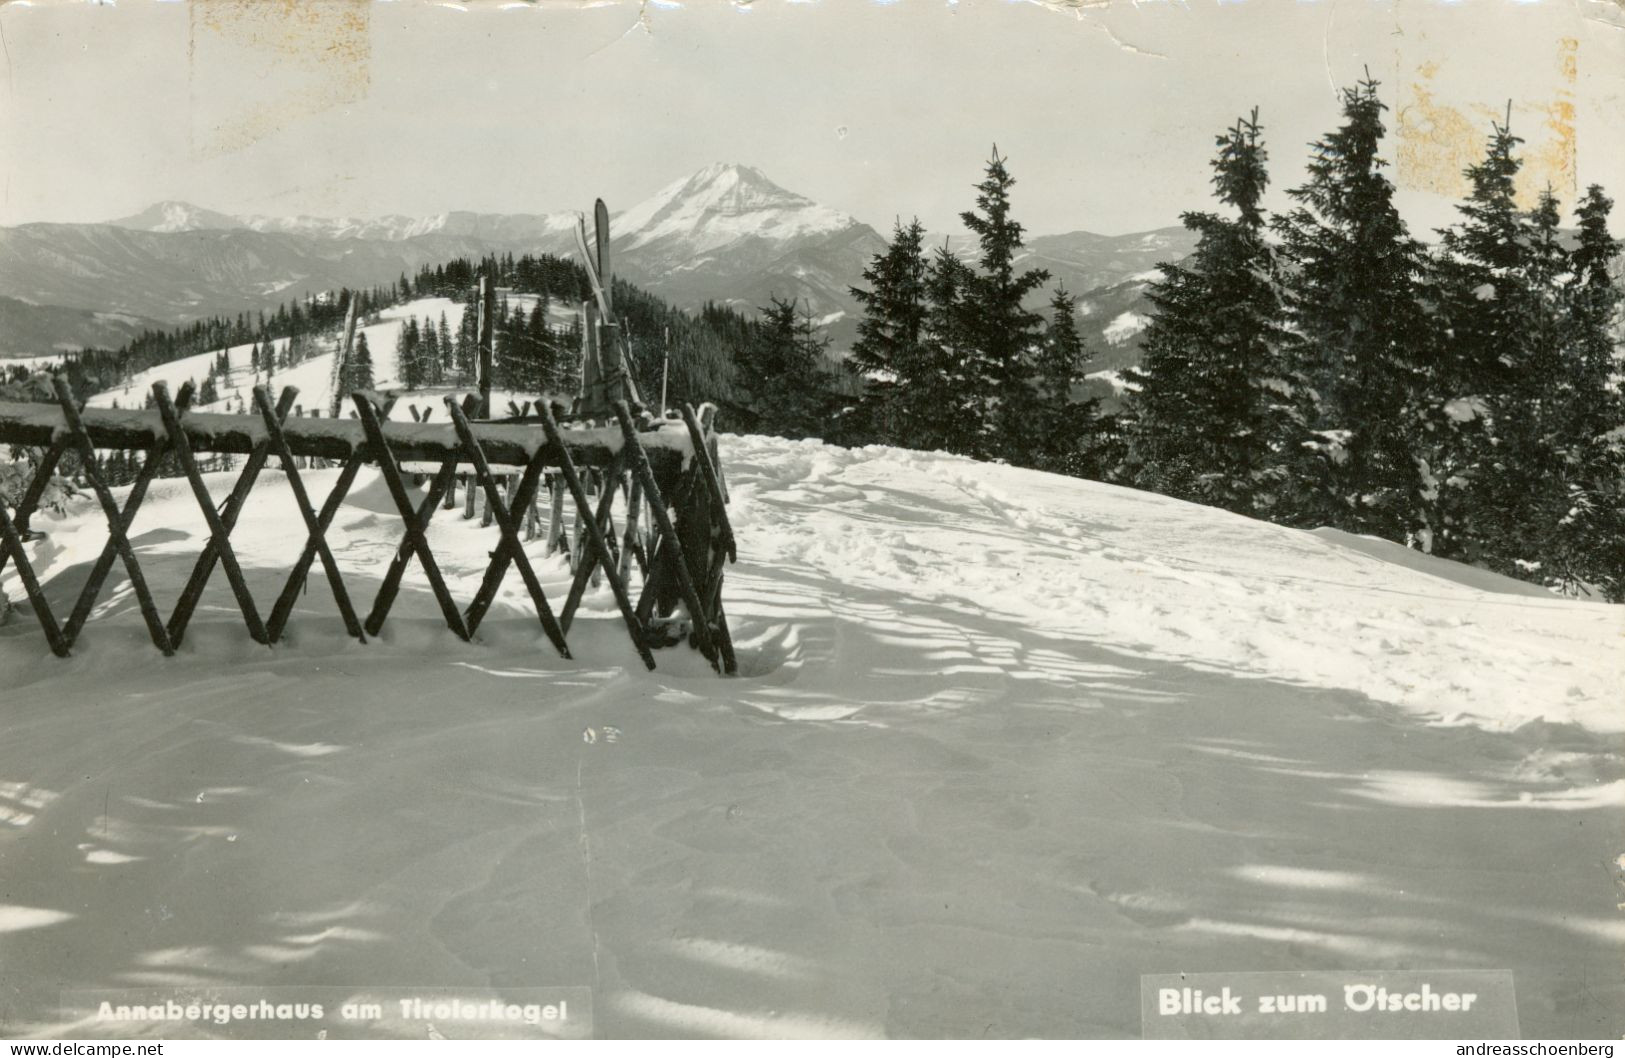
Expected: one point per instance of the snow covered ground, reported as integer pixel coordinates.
(1002, 743)
(1124, 326)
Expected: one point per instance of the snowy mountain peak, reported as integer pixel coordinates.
(721, 203)
(731, 186)
(174, 216)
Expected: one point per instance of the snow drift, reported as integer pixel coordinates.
(1002, 742)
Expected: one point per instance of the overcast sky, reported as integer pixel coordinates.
(1107, 114)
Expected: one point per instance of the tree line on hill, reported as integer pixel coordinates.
(1317, 367)
(709, 355)
(716, 354)
(701, 355)
(301, 320)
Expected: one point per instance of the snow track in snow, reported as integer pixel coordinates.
(1001, 743)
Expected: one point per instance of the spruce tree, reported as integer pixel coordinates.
(1211, 420)
(467, 339)
(429, 355)
(949, 389)
(448, 351)
(408, 361)
(1478, 264)
(1063, 428)
(1594, 299)
(1358, 346)
(543, 354)
(403, 369)
(888, 357)
(1002, 330)
(361, 365)
(1495, 284)
(1524, 487)
(1587, 548)
(786, 386)
(568, 378)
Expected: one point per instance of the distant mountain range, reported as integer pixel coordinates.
(170, 217)
(726, 233)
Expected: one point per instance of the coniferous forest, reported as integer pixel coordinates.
(1321, 366)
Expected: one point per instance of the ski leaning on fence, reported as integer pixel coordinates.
(662, 472)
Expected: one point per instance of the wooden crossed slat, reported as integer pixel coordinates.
(316, 524)
(219, 532)
(632, 543)
(719, 510)
(529, 484)
(117, 523)
(29, 502)
(415, 541)
(557, 539)
(702, 456)
(605, 483)
(587, 563)
(11, 545)
(314, 543)
(601, 552)
(725, 639)
(653, 574)
(104, 561)
(668, 533)
(510, 549)
(233, 508)
(12, 531)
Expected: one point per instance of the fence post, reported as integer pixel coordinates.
(632, 545)
(557, 540)
(488, 294)
(669, 536)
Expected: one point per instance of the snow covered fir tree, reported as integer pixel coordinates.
(1210, 418)
(1319, 367)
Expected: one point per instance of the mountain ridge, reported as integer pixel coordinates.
(171, 217)
(726, 233)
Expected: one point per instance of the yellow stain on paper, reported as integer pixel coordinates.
(289, 59)
(1439, 141)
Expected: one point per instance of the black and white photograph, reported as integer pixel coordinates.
(812, 519)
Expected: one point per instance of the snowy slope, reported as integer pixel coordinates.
(1124, 326)
(1002, 743)
(314, 376)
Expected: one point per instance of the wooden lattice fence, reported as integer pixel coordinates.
(666, 468)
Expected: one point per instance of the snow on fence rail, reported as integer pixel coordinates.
(667, 468)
